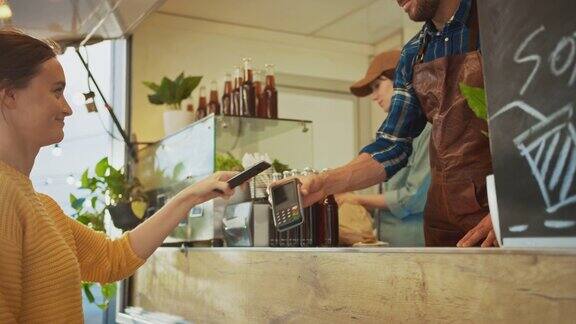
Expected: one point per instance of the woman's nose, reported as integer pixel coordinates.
(67, 109)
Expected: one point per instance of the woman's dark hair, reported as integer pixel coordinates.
(21, 56)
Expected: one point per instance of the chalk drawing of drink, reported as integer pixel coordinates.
(549, 147)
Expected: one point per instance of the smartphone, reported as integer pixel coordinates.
(246, 175)
(287, 209)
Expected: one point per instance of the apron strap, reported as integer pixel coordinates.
(473, 28)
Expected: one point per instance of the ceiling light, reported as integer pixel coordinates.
(5, 11)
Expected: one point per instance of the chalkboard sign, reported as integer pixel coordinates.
(529, 62)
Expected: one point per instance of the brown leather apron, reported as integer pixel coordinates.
(459, 153)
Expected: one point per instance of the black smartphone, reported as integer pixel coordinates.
(287, 205)
(246, 175)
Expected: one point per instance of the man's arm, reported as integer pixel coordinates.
(360, 173)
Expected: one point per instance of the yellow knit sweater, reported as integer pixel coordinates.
(44, 255)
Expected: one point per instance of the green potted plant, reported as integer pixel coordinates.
(171, 93)
(107, 190)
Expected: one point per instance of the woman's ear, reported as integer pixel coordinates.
(7, 98)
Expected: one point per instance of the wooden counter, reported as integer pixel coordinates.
(370, 285)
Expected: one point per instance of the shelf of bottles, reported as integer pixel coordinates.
(247, 95)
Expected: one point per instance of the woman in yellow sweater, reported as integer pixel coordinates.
(44, 254)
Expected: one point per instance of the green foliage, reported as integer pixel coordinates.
(476, 98)
(280, 167)
(227, 162)
(172, 92)
(108, 186)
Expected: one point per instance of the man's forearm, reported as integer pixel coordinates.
(360, 173)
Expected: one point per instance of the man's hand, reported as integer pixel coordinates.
(482, 231)
(312, 189)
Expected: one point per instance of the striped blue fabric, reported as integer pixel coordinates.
(406, 120)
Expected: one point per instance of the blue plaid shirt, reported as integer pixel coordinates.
(406, 120)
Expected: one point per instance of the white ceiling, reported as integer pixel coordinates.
(360, 21)
(76, 19)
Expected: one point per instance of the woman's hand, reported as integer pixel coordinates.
(148, 236)
(205, 189)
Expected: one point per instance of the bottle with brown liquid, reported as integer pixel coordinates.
(214, 104)
(237, 93)
(227, 96)
(270, 95)
(327, 230)
(248, 90)
(202, 110)
(307, 228)
(258, 91)
(283, 237)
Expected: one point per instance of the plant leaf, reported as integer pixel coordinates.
(101, 167)
(155, 99)
(151, 85)
(476, 98)
(86, 287)
(108, 290)
(85, 182)
(93, 202)
(166, 92)
(178, 83)
(188, 85)
(84, 219)
(78, 203)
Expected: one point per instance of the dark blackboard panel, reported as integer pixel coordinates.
(529, 53)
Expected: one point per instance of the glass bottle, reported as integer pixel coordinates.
(258, 93)
(328, 221)
(202, 109)
(214, 104)
(248, 90)
(294, 233)
(307, 228)
(237, 93)
(270, 94)
(227, 96)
